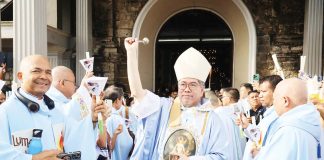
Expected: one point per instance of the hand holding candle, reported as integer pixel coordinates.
(100, 112)
(96, 86)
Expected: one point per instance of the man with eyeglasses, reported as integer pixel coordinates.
(63, 88)
(228, 113)
(74, 103)
(179, 129)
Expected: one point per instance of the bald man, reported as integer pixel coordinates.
(62, 90)
(29, 108)
(296, 133)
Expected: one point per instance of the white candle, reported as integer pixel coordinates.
(275, 60)
(253, 120)
(277, 66)
(14, 86)
(87, 55)
(302, 63)
(281, 73)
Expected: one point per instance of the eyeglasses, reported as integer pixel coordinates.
(191, 86)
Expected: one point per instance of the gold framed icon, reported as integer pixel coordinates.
(180, 142)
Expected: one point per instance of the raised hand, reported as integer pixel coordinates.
(119, 129)
(84, 79)
(242, 121)
(99, 106)
(131, 45)
(135, 84)
(254, 150)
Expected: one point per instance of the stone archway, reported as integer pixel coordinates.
(156, 12)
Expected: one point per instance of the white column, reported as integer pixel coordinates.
(83, 34)
(313, 36)
(30, 30)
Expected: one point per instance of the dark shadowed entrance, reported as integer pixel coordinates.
(202, 30)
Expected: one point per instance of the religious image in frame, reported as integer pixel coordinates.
(180, 142)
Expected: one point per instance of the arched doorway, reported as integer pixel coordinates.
(234, 12)
(202, 30)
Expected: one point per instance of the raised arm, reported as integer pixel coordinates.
(117, 131)
(134, 79)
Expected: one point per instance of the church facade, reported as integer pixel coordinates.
(238, 37)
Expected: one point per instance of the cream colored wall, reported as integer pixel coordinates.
(51, 9)
(156, 13)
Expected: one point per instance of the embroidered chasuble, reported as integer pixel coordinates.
(185, 131)
(155, 133)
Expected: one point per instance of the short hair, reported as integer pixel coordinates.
(247, 86)
(253, 91)
(202, 83)
(272, 79)
(129, 100)
(120, 85)
(235, 94)
(113, 93)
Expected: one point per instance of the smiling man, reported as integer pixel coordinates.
(162, 121)
(28, 108)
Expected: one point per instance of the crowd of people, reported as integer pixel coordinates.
(273, 118)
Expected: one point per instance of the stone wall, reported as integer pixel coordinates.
(113, 21)
(280, 27)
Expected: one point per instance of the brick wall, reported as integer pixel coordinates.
(279, 27)
(113, 21)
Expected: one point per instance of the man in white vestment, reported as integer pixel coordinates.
(228, 114)
(73, 103)
(181, 129)
(296, 133)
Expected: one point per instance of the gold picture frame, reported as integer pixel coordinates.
(180, 142)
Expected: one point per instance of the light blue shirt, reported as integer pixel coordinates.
(71, 107)
(16, 118)
(234, 135)
(132, 124)
(59, 99)
(294, 135)
(255, 133)
(124, 141)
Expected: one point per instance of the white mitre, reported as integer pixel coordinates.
(192, 64)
